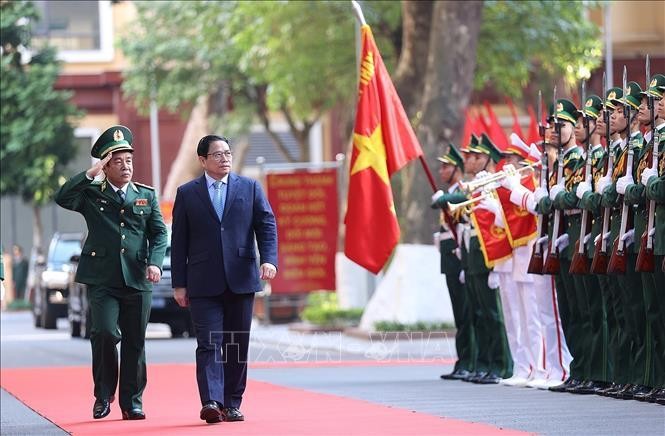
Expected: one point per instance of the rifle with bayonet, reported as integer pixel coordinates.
(618, 259)
(580, 261)
(536, 261)
(552, 262)
(645, 260)
(601, 254)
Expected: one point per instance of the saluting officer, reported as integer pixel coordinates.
(121, 257)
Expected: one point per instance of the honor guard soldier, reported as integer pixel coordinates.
(561, 203)
(121, 258)
(451, 173)
(598, 371)
(624, 121)
(652, 276)
(654, 179)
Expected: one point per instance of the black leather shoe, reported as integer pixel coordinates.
(211, 413)
(458, 374)
(659, 397)
(489, 379)
(636, 390)
(231, 414)
(646, 396)
(133, 414)
(586, 388)
(477, 376)
(102, 407)
(619, 393)
(614, 387)
(570, 383)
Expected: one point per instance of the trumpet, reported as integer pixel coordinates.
(496, 177)
(465, 206)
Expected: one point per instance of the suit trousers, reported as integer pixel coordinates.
(222, 326)
(119, 315)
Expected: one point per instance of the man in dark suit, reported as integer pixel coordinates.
(217, 220)
(121, 258)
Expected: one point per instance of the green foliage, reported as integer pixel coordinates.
(394, 326)
(296, 57)
(542, 40)
(322, 309)
(36, 139)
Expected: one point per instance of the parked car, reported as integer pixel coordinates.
(51, 288)
(164, 308)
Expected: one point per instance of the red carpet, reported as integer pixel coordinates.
(64, 396)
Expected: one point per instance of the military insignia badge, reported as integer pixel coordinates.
(559, 107)
(141, 202)
(118, 136)
(612, 95)
(589, 102)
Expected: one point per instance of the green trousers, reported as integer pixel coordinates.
(572, 320)
(465, 337)
(632, 298)
(119, 315)
(654, 300)
(493, 351)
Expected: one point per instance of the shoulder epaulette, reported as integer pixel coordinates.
(152, 188)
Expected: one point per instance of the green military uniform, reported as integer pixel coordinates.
(653, 282)
(571, 305)
(124, 238)
(633, 341)
(593, 361)
(494, 356)
(655, 190)
(465, 338)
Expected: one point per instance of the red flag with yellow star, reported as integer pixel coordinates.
(383, 142)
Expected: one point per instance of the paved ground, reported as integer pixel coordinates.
(402, 374)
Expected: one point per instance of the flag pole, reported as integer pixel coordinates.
(359, 12)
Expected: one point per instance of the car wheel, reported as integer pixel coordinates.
(47, 315)
(75, 328)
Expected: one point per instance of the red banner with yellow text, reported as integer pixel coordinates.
(305, 207)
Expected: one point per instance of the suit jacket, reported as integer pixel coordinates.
(207, 254)
(123, 237)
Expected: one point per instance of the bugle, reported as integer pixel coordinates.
(496, 177)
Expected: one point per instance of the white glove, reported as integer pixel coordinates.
(652, 232)
(493, 280)
(555, 190)
(582, 189)
(628, 238)
(509, 169)
(435, 238)
(461, 277)
(539, 194)
(603, 183)
(511, 181)
(458, 253)
(542, 240)
(623, 183)
(534, 152)
(561, 242)
(438, 194)
(605, 236)
(492, 204)
(647, 174)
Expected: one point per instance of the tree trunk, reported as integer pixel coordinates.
(451, 63)
(412, 66)
(186, 166)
